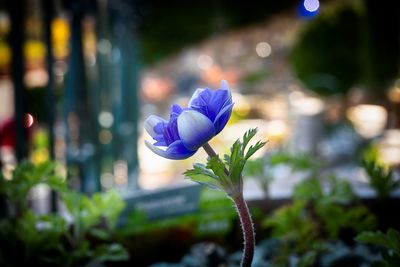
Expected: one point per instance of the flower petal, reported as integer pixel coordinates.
(211, 102)
(195, 96)
(174, 151)
(176, 110)
(154, 125)
(225, 85)
(222, 118)
(194, 129)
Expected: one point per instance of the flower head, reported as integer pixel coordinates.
(189, 128)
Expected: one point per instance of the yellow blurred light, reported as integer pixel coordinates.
(34, 50)
(5, 54)
(40, 156)
(60, 35)
(59, 30)
(277, 131)
(389, 147)
(305, 105)
(394, 94)
(368, 120)
(242, 106)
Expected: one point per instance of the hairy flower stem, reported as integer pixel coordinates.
(247, 229)
(244, 216)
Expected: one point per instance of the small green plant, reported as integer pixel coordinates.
(322, 209)
(49, 240)
(298, 162)
(380, 177)
(257, 168)
(25, 177)
(389, 242)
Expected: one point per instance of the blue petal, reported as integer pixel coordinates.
(170, 133)
(210, 103)
(194, 129)
(154, 125)
(224, 85)
(175, 150)
(195, 96)
(176, 110)
(222, 118)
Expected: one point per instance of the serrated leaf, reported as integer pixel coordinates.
(248, 136)
(201, 175)
(253, 149)
(205, 180)
(239, 157)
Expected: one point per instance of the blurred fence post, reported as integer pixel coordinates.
(17, 67)
(48, 9)
(81, 131)
(126, 104)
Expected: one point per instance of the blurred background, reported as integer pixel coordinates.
(320, 80)
(77, 79)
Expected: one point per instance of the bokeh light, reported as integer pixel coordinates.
(263, 49)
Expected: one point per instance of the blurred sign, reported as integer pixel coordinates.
(166, 203)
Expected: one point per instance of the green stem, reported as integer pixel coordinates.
(244, 216)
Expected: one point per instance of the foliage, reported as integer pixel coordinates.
(322, 209)
(25, 177)
(51, 240)
(256, 169)
(265, 175)
(158, 25)
(298, 162)
(226, 175)
(380, 177)
(390, 242)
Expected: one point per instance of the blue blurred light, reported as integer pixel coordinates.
(308, 9)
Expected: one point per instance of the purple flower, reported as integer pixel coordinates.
(189, 128)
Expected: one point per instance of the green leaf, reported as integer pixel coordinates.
(111, 252)
(298, 162)
(219, 169)
(248, 136)
(239, 156)
(200, 174)
(226, 175)
(390, 240)
(380, 177)
(308, 259)
(253, 149)
(109, 206)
